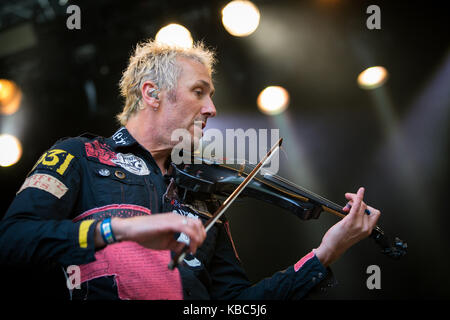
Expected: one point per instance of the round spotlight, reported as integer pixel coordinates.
(10, 97)
(175, 35)
(10, 150)
(240, 18)
(273, 100)
(372, 78)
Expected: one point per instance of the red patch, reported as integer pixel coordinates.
(140, 273)
(100, 151)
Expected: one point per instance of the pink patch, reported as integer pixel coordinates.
(303, 260)
(132, 208)
(140, 273)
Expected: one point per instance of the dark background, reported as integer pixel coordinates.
(392, 140)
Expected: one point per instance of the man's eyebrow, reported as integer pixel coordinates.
(206, 84)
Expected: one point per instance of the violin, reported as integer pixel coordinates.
(204, 178)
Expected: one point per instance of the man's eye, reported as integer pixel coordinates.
(198, 92)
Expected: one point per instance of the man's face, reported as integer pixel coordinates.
(190, 105)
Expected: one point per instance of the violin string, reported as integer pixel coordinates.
(307, 192)
(293, 185)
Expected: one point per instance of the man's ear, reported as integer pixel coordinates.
(150, 94)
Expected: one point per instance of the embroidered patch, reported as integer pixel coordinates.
(105, 155)
(45, 182)
(56, 160)
(119, 137)
(131, 163)
(100, 151)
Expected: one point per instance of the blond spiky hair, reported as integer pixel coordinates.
(156, 62)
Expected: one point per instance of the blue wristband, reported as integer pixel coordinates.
(106, 231)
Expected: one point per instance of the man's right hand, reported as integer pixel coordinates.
(156, 231)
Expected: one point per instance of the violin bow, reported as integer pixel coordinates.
(178, 258)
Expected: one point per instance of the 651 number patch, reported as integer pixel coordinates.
(55, 160)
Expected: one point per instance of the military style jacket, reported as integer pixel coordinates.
(80, 181)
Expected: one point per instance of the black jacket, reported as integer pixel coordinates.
(88, 178)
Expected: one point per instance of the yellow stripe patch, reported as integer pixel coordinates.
(83, 232)
(65, 164)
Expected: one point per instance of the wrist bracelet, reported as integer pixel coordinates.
(106, 231)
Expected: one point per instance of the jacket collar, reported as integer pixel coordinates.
(122, 138)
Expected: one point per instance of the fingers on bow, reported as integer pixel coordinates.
(194, 229)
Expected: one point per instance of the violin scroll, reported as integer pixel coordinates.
(393, 249)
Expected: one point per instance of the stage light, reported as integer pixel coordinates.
(273, 100)
(10, 97)
(175, 35)
(372, 78)
(10, 150)
(240, 18)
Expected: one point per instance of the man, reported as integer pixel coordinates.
(109, 206)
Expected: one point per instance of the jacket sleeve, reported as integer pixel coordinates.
(36, 228)
(229, 280)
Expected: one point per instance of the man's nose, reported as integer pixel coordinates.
(209, 109)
